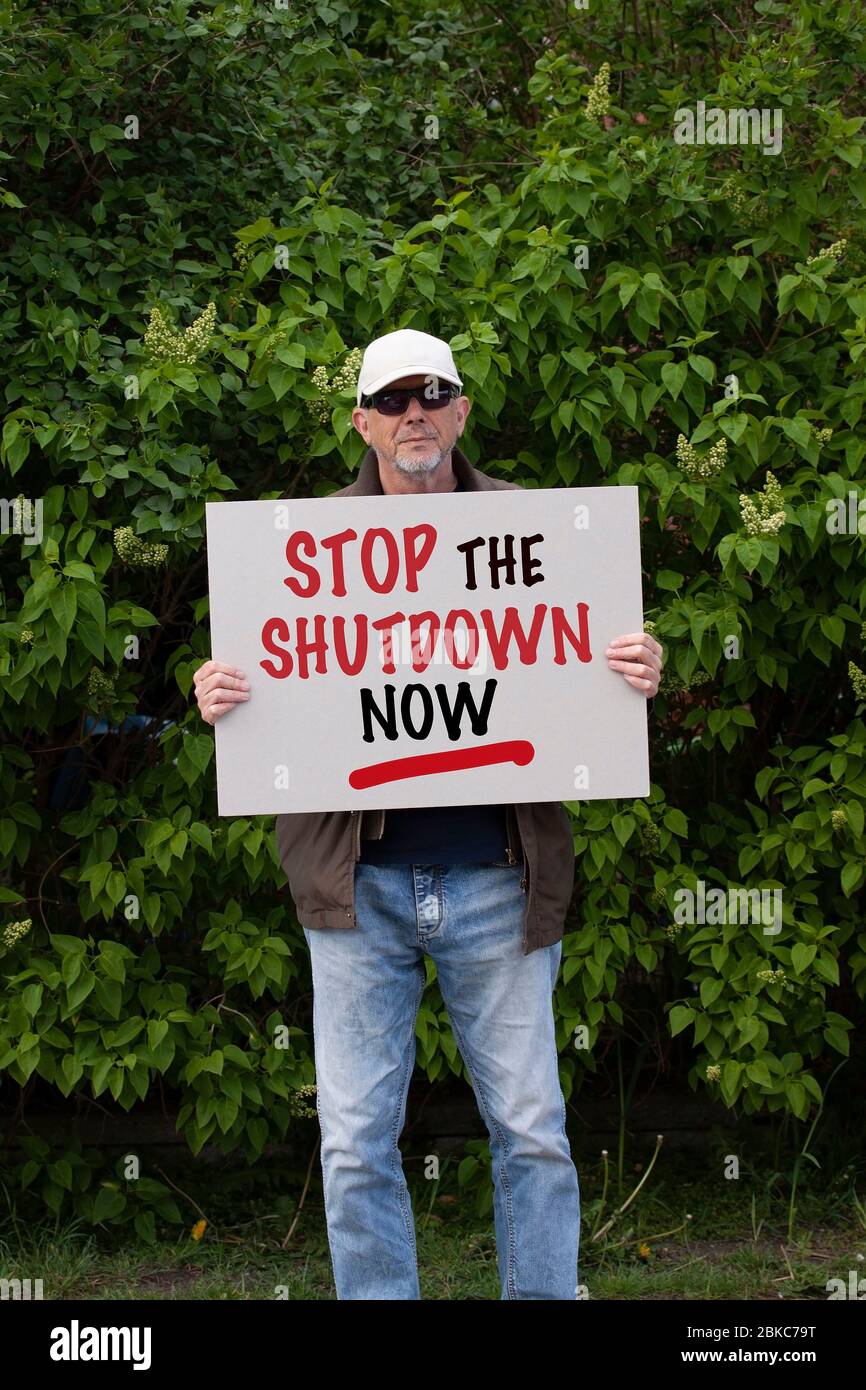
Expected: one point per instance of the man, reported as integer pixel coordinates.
(482, 889)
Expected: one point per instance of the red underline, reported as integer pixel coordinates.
(515, 750)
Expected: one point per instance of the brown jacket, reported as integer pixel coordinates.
(319, 849)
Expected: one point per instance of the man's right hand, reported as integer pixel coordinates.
(218, 688)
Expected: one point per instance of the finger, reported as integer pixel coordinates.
(644, 639)
(224, 697)
(628, 637)
(222, 682)
(633, 668)
(215, 711)
(640, 684)
(620, 645)
(629, 653)
(211, 668)
(633, 655)
(218, 709)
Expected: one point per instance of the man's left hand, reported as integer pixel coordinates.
(639, 657)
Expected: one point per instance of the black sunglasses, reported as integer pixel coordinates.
(394, 400)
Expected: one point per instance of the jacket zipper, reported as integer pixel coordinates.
(512, 859)
(356, 850)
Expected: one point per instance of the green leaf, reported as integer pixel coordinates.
(292, 354)
(798, 429)
(802, 956)
(280, 380)
(108, 1204)
(201, 835)
(257, 1133)
(833, 628)
(759, 1071)
(623, 827)
(711, 988)
(838, 1040)
(99, 1074)
(80, 989)
(695, 305)
(674, 376)
(703, 366)
(211, 387)
(157, 1029)
(679, 1018)
(669, 579)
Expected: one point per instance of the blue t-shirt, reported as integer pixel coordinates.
(440, 834)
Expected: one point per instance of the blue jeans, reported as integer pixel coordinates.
(367, 985)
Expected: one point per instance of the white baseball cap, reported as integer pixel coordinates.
(406, 352)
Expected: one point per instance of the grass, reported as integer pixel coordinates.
(735, 1246)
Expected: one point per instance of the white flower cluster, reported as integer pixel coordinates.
(243, 253)
(771, 977)
(100, 688)
(164, 345)
(15, 931)
(648, 834)
(836, 251)
(707, 467)
(733, 194)
(838, 818)
(768, 517)
(134, 553)
(302, 1103)
(598, 101)
(858, 680)
(714, 1073)
(824, 436)
(346, 379)
(742, 201)
(25, 636)
(673, 684)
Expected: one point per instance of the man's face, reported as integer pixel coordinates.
(416, 442)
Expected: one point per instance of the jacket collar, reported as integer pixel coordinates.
(369, 484)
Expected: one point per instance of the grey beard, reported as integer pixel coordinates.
(415, 467)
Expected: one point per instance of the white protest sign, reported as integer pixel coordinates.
(444, 649)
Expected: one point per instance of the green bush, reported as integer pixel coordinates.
(178, 314)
